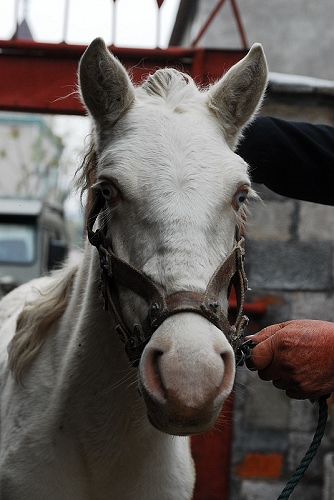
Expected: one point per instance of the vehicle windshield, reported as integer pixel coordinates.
(17, 243)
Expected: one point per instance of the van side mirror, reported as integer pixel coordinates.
(58, 250)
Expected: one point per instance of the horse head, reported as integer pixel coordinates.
(171, 193)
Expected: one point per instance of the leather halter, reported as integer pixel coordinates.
(116, 271)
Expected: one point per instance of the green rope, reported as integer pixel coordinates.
(242, 354)
(311, 452)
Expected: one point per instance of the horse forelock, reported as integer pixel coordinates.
(164, 81)
(171, 85)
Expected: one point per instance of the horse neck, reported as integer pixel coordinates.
(97, 379)
(89, 323)
(96, 404)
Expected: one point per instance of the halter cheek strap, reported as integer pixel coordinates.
(115, 271)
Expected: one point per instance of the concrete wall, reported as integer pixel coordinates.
(290, 263)
(290, 255)
(297, 36)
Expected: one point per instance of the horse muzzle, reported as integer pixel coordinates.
(186, 373)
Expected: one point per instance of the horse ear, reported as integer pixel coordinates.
(238, 94)
(105, 87)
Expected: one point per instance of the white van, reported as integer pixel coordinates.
(33, 240)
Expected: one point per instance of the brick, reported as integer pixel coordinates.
(289, 266)
(299, 443)
(259, 490)
(257, 465)
(312, 305)
(328, 492)
(261, 441)
(316, 222)
(262, 398)
(263, 222)
(303, 416)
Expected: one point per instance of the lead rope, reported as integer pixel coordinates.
(244, 352)
(311, 452)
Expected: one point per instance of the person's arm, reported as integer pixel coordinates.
(298, 356)
(291, 158)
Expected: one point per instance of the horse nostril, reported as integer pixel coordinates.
(229, 371)
(153, 375)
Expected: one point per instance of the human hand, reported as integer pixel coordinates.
(298, 356)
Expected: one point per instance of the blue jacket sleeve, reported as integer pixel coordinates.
(294, 159)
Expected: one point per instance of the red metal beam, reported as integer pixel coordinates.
(213, 15)
(241, 29)
(208, 22)
(42, 78)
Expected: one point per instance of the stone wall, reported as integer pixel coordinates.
(289, 260)
(297, 36)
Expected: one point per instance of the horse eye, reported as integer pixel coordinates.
(239, 198)
(109, 192)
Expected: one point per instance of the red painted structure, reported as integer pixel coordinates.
(212, 455)
(42, 78)
(213, 15)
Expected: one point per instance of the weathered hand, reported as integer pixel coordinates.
(298, 356)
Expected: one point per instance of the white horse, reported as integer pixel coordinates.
(78, 421)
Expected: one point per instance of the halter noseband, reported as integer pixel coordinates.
(116, 271)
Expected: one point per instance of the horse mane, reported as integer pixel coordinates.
(38, 315)
(172, 86)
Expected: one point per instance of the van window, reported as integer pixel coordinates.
(17, 243)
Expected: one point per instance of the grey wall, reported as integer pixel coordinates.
(297, 35)
(290, 263)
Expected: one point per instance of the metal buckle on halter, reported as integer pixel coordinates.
(244, 352)
(237, 332)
